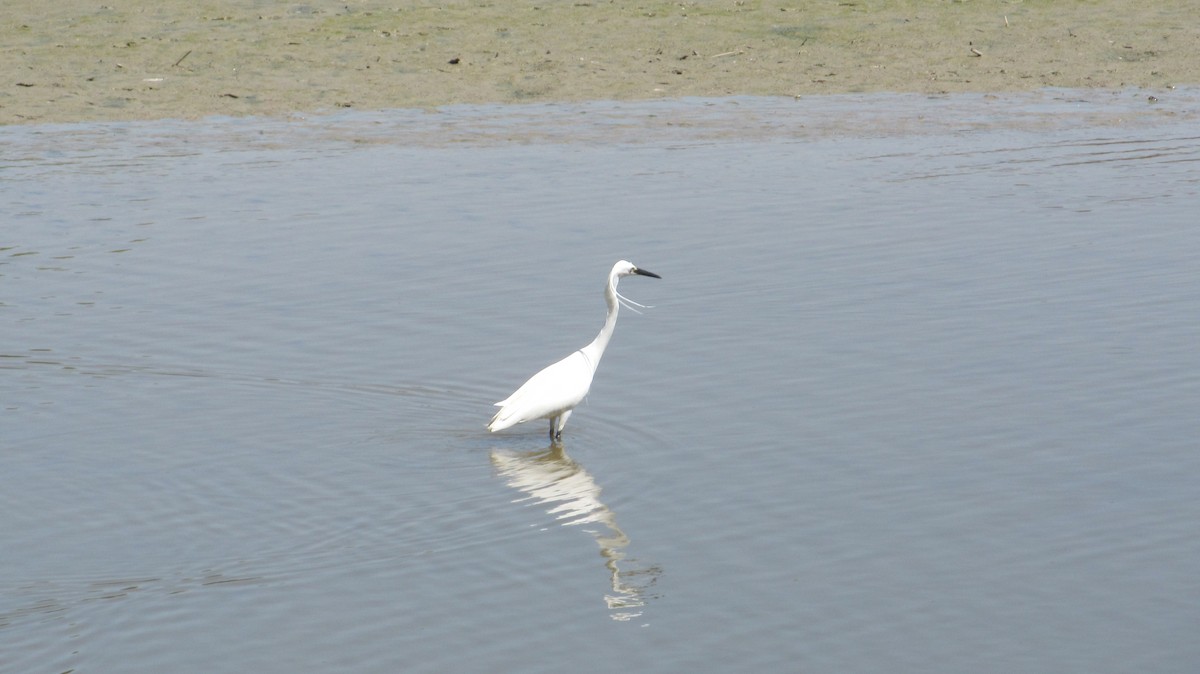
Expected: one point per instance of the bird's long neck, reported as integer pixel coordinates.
(595, 350)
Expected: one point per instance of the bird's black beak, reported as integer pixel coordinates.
(643, 272)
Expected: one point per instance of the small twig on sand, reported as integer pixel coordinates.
(181, 58)
(976, 52)
(728, 53)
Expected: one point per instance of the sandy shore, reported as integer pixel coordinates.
(69, 60)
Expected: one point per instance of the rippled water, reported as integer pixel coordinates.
(918, 391)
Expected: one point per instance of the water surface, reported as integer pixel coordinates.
(918, 391)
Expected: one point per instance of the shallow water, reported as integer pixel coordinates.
(918, 391)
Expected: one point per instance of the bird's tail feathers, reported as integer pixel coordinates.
(502, 421)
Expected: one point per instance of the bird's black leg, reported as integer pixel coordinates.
(552, 420)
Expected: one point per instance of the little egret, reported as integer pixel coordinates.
(555, 391)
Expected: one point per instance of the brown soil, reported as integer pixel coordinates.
(70, 60)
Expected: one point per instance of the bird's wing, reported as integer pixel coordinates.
(550, 392)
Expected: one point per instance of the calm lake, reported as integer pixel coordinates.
(918, 390)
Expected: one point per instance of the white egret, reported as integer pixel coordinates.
(555, 391)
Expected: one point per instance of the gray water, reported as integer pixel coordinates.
(918, 391)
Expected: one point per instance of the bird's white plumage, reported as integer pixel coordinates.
(554, 391)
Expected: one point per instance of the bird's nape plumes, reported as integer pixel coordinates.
(555, 390)
(630, 304)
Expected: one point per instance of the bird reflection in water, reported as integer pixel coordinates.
(552, 478)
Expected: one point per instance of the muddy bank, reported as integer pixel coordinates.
(83, 61)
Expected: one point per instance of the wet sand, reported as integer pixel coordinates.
(72, 61)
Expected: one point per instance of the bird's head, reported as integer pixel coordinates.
(627, 268)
